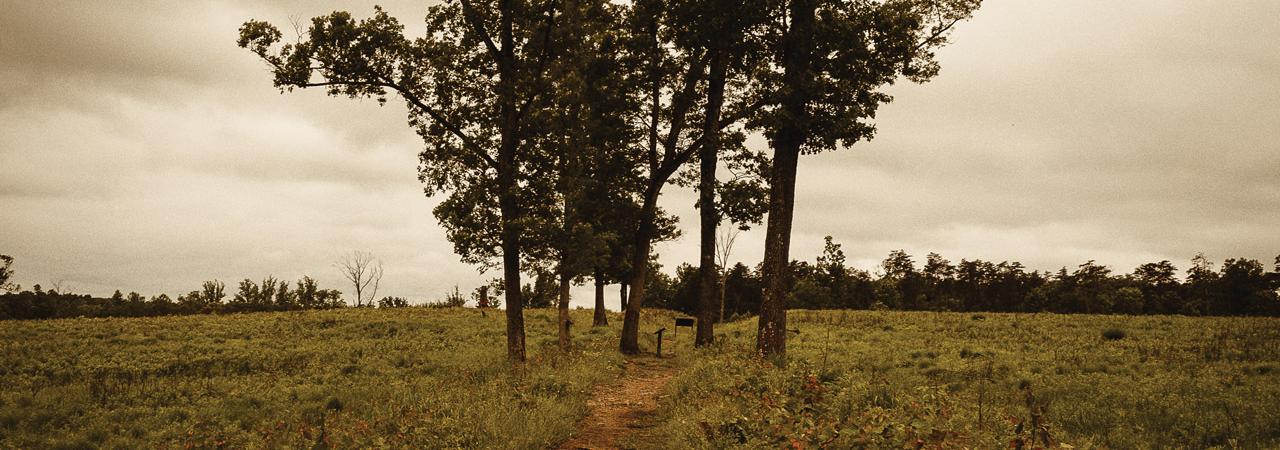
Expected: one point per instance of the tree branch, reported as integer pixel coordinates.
(681, 103)
(477, 25)
(418, 103)
(937, 34)
(542, 60)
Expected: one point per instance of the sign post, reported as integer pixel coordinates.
(681, 322)
(659, 333)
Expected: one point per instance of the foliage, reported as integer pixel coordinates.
(488, 295)
(476, 86)
(867, 379)
(393, 302)
(6, 273)
(451, 300)
(270, 295)
(1241, 287)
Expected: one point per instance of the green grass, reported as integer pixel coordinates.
(350, 378)
(438, 378)
(858, 379)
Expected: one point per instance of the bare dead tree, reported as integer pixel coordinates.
(61, 287)
(724, 248)
(364, 272)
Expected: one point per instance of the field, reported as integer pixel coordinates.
(952, 380)
(419, 377)
(409, 377)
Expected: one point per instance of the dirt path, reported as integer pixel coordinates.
(623, 411)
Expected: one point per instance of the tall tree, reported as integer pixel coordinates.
(721, 29)
(670, 68)
(592, 134)
(1159, 284)
(834, 56)
(473, 84)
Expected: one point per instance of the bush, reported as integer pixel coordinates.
(393, 302)
(1113, 334)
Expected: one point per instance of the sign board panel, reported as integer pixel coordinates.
(684, 321)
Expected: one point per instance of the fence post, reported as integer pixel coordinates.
(659, 333)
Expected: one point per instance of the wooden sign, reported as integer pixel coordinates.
(684, 322)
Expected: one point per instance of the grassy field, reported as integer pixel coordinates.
(437, 378)
(409, 377)
(950, 380)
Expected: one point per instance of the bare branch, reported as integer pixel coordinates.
(361, 270)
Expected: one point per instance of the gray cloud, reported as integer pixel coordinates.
(141, 150)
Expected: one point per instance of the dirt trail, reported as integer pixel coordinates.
(623, 411)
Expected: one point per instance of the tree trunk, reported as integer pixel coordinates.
(562, 306)
(630, 343)
(508, 203)
(622, 294)
(511, 280)
(723, 282)
(771, 338)
(710, 218)
(600, 318)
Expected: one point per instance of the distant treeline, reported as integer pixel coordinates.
(1240, 287)
(269, 295)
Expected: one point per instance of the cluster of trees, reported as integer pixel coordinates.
(269, 295)
(1241, 286)
(552, 126)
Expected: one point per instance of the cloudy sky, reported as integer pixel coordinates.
(140, 149)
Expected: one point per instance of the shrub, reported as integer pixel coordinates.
(1113, 334)
(393, 302)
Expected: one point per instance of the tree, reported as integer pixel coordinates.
(669, 66)
(308, 295)
(205, 300)
(364, 273)
(724, 248)
(742, 290)
(833, 57)
(473, 85)
(585, 133)
(393, 302)
(939, 276)
(6, 273)
(486, 295)
(718, 28)
(1244, 289)
(1199, 293)
(616, 212)
(1159, 285)
(451, 299)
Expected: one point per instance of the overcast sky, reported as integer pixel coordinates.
(141, 150)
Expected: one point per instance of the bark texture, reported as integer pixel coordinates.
(710, 218)
(629, 344)
(562, 307)
(600, 318)
(771, 338)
